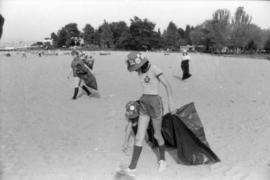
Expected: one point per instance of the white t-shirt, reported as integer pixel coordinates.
(184, 57)
(150, 80)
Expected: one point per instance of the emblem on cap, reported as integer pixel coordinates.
(138, 60)
(131, 108)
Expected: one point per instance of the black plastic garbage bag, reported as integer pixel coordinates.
(184, 131)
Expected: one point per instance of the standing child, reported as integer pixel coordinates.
(185, 58)
(2, 20)
(151, 106)
(189, 140)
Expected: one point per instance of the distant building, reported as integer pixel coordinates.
(47, 41)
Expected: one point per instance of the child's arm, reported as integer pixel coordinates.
(69, 74)
(84, 63)
(88, 68)
(169, 93)
(128, 132)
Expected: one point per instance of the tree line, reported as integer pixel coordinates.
(222, 32)
(140, 35)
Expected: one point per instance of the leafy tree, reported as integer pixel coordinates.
(254, 37)
(119, 30)
(187, 34)
(66, 36)
(197, 36)
(2, 20)
(266, 38)
(72, 30)
(172, 37)
(220, 28)
(202, 35)
(140, 35)
(251, 46)
(182, 40)
(61, 38)
(181, 32)
(105, 35)
(54, 38)
(267, 44)
(96, 38)
(240, 23)
(72, 34)
(156, 40)
(142, 32)
(241, 17)
(214, 34)
(88, 34)
(124, 41)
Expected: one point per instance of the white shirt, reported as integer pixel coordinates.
(150, 81)
(184, 57)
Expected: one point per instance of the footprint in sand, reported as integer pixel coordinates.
(120, 176)
(111, 114)
(236, 173)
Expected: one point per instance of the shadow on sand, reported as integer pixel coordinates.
(92, 95)
(171, 151)
(121, 176)
(177, 77)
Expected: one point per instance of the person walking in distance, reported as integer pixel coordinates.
(185, 58)
(78, 69)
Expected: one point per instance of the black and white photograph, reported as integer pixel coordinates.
(134, 90)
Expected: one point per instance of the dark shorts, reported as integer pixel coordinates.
(152, 106)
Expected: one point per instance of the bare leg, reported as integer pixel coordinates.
(142, 126)
(157, 123)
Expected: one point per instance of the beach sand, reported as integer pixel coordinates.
(45, 135)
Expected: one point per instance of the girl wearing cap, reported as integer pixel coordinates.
(75, 64)
(151, 106)
(185, 58)
(132, 116)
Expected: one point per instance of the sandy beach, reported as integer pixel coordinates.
(45, 135)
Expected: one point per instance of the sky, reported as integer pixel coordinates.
(33, 20)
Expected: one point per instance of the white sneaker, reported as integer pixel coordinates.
(162, 165)
(128, 171)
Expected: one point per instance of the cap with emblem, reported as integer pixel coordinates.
(132, 109)
(135, 61)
